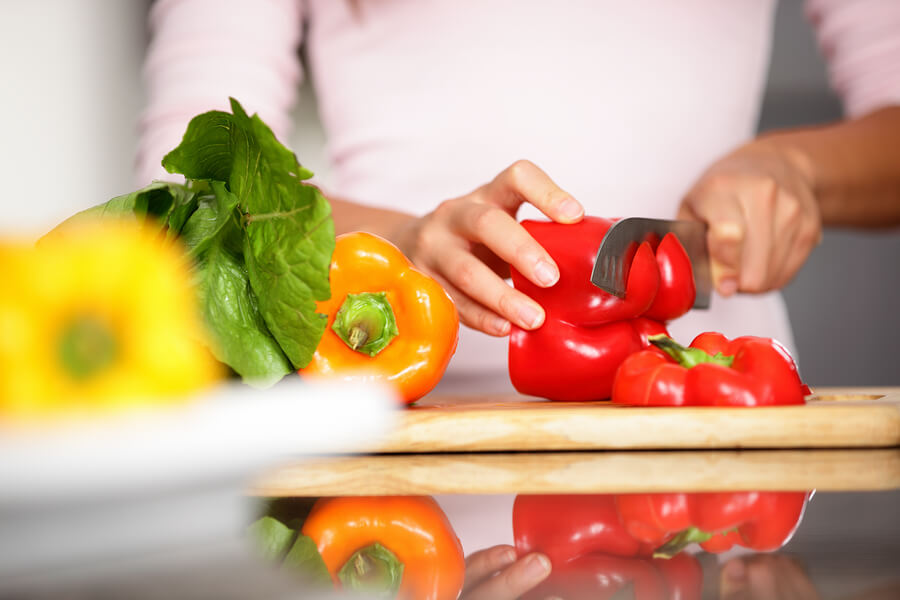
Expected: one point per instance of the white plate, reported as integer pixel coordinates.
(169, 477)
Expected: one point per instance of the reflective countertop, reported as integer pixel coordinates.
(846, 543)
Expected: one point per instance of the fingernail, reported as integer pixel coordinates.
(530, 317)
(546, 273)
(570, 209)
(501, 326)
(537, 566)
(734, 571)
(727, 287)
(507, 558)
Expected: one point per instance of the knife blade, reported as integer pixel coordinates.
(618, 246)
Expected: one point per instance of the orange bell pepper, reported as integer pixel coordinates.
(387, 545)
(387, 321)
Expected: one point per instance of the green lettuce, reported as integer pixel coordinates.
(260, 240)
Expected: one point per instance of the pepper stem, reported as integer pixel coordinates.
(366, 322)
(374, 570)
(688, 357)
(682, 540)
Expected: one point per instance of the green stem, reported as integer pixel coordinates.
(374, 570)
(682, 539)
(366, 322)
(688, 357)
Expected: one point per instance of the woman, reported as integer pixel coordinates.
(620, 109)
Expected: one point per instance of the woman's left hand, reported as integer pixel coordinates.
(762, 215)
(496, 574)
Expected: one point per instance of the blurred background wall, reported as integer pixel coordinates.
(70, 76)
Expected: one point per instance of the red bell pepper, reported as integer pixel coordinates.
(713, 371)
(587, 332)
(761, 521)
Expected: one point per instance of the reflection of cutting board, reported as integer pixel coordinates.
(832, 418)
(585, 472)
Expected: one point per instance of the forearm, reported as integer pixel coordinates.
(350, 216)
(853, 166)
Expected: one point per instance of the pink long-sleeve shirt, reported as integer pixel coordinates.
(624, 104)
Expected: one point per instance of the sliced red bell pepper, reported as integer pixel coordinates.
(713, 371)
(761, 521)
(587, 332)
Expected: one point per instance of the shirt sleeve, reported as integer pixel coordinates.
(202, 52)
(861, 42)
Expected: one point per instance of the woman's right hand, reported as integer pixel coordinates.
(468, 242)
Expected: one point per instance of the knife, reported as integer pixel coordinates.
(621, 241)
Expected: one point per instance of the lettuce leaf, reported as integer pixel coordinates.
(240, 336)
(260, 240)
(151, 206)
(288, 231)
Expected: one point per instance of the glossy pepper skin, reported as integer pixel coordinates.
(565, 526)
(427, 323)
(713, 371)
(605, 577)
(414, 529)
(761, 521)
(592, 553)
(587, 332)
(599, 544)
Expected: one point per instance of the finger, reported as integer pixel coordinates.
(725, 237)
(797, 258)
(787, 221)
(514, 580)
(806, 237)
(474, 279)
(756, 255)
(522, 182)
(500, 233)
(471, 313)
(484, 563)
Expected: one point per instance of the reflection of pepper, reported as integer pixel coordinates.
(592, 553)
(713, 371)
(363, 540)
(387, 321)
(567, 526)
(587, 332)
(761, 521)
(599, 544)
(602, 577)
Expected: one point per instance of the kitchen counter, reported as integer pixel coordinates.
(845, 546)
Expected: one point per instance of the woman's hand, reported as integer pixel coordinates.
(495, 574)
(468, 242)
(762, 214)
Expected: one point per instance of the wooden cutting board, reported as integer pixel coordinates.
(831, 418)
